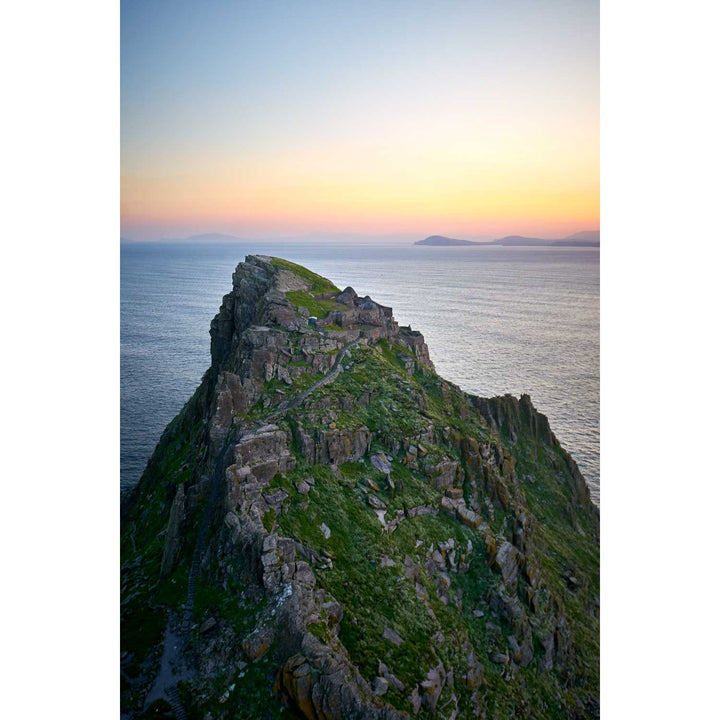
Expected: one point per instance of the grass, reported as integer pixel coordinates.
(318, 308)
(373, 597)
(318, 283)
(251, 697)
(397, 407)
(357, 543)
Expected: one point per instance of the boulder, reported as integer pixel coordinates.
(381, 462)
(380, 686)
(507, 561)
(392, 681)
(415, 700)
(173, 535)
(392, 636)
(433, 686)
(208, 625)
(340, 446)
(443, 474)
(448, 506)
(375, 502)
(469, 517)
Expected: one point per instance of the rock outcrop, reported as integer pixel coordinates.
(330, 530)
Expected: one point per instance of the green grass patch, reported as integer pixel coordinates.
(318, 308)
(318, 282)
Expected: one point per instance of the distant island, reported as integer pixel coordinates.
(585, 238)
(444, 241)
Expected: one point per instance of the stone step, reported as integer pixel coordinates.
(454, 492)
(176, 704)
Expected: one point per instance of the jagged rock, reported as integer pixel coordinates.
(333, 612)
(258, 643)
(275, 499)
(391, 680)
(173, 536)
(465, 469)
(321, 684)
(448, 505)
(303, 574)
(546, 660)
(454, 493)
(470, 518)
(506, 560)
(375, 502)
(232, 522)
(381, 463)
(421, 510)
(392, 636)
(433, 686)
(443, 474)
(415, 700)
(264, 452)
(339, 446)
(474, 676)
(233, 398)
(208, 625)
(380, 686)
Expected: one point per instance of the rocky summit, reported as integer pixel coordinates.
(330, 530)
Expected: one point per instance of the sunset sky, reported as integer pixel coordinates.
(271, 119)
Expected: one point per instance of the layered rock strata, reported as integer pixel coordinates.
(351, 536)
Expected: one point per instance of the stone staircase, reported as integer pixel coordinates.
(171, 693)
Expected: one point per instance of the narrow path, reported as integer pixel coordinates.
(172, 668)
(324, 380)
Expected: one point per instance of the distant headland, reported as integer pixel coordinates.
(586, 238)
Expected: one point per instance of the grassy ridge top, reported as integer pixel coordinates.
(319, 283)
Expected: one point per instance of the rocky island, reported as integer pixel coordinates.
(586, 238)
(330, 530)
(442, 241)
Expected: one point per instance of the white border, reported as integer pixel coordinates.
(60, 293)
(60, 300)
(659, 366)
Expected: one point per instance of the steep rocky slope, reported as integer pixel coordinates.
(329, 529)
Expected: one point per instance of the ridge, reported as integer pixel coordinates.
(329, 529)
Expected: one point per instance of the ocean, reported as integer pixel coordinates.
(496, 320)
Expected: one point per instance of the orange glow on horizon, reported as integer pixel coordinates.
(474, 119)
(375, 191)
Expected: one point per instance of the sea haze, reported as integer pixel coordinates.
(496, 319)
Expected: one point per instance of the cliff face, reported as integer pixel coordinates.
(331, 530)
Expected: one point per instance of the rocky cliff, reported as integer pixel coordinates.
(330, 530)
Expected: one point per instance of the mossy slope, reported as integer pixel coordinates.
(478, 551)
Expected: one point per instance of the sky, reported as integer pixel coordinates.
(276, 118)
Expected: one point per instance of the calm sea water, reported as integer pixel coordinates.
(496, 320)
